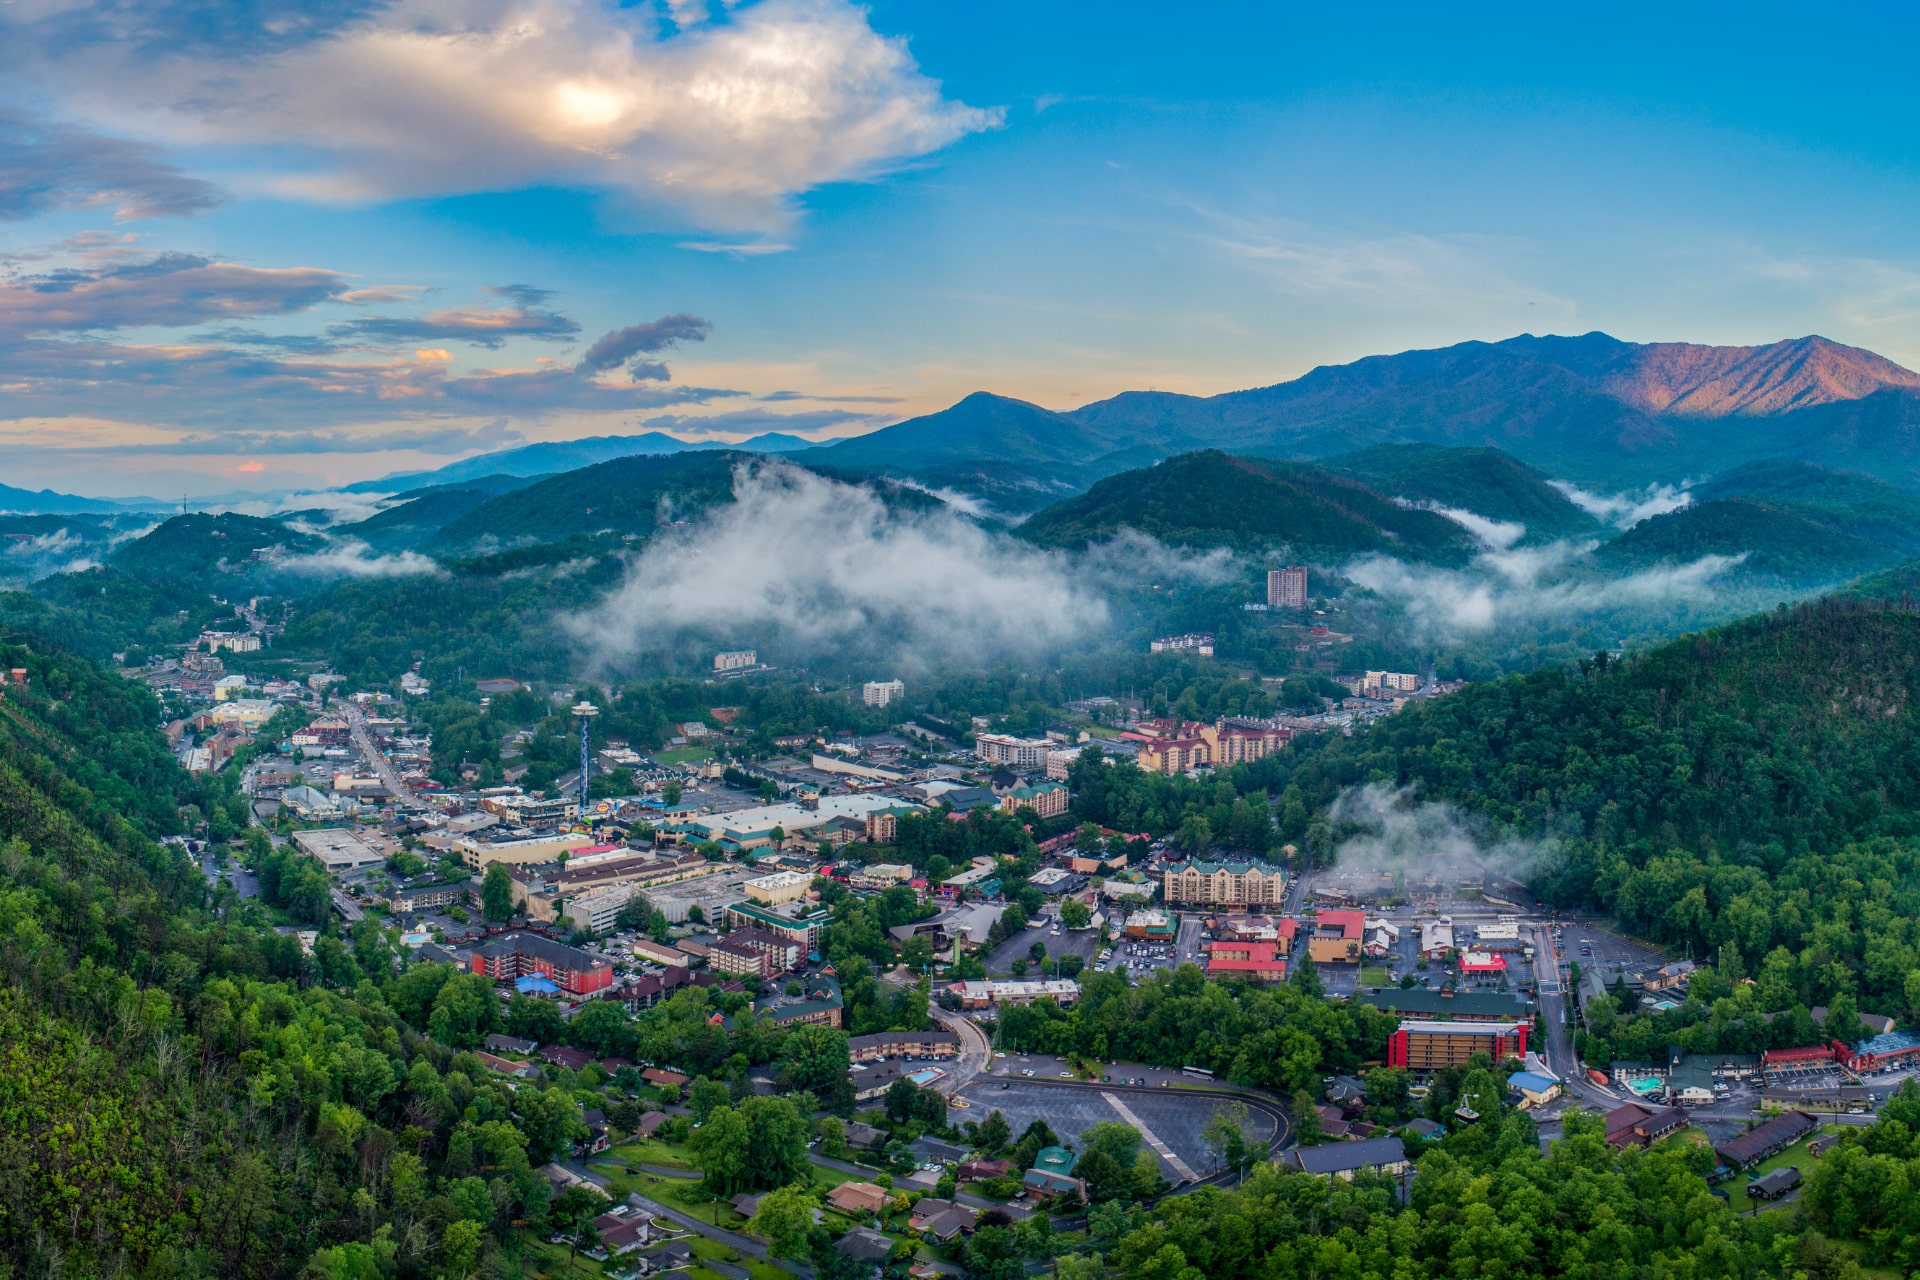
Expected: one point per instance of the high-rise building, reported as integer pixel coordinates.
(735, 660)
(878, 693)
(1287, 588)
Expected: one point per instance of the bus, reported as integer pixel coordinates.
(1199, 1073)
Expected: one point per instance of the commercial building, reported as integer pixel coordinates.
(903, 1044)
(1537, 1088)
(1222, 744)
(1884, 1052)
(342, 851)
(1018, 753)
(1060, 762)
(820, 1004)
(781, 952)
(1052, 1174)
(646, 949)
(878, 693)
(1047, 799)
(737, 960)
(1771, 1138)
(981, 995)
(736, 660)
(755, 828)
(1337, 937)
(1264, 960)
(1200, 642)
(519, 955)
(1633, 1125)
(1287, 588)
(1344, 1159)
(481, 854)
(883, 825)
(781, 886)
(1224, 882)
(798, 922)
(1428, 1046)
(1389, 682)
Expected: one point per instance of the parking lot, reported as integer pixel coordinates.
(1174, 1120)
(1068, 942)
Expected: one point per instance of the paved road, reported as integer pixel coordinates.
(381, 766)
(975, 1050)
(732, 1239)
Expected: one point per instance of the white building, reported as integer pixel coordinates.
(1396, 681)
(1021, 753)
(340, 850)
(878, 693)
(736, 660)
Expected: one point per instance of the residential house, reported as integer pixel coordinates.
(1344, 1159)
(859, 1198)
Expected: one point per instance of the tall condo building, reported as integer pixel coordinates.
(1287, 588)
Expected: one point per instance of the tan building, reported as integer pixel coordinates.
(1337, 937)
(781, 886)
(1228, 882)
(480, 854)
(1048, 799)
(1287, 588)
(1220, 745)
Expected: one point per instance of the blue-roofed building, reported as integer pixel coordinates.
(1052, 1174)
(1886, 1051)
(1534, 1087)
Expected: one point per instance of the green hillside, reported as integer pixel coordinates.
(1857, 503)
(203, 549)
(1211, 499)
(1782, 541)
(1484, 481)
(413, 522)
(633, 495)
(1712, 792)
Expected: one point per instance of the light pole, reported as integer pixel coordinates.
(584, 712)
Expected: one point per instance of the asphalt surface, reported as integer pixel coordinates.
(381, 766)
(1069, 942)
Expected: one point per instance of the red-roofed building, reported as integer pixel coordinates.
(1806, 1056)
(1264, 959)
(1337, 937)
(1482, 962)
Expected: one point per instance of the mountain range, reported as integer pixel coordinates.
(1589, 408)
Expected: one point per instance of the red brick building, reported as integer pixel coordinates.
(520, 955)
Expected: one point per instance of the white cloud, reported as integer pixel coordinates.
(1504, 588)
(721, 121)
(352, 558)
(1391, 832)
(800, 562)
(1497, 534)
(1624, 510)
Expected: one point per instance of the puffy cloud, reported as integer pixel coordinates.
(722, 121)
(1624, 510)
(1505, 588)
(352, 558)
(626, 346)
(168, 289)
(816, 566)
(46, 166)
(1387, 830)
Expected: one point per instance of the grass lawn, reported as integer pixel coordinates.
(1794, 1157)
(683, 755)
(1374, 976)
(545, 1259)
(649, 1151)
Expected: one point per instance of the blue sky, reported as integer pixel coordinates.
(301, 244)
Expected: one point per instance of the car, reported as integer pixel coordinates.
(1026, 1071)
(1001, 1054)
(1006, 1086)
(1066, 1075)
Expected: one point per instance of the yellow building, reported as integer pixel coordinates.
(479, 854)
(781, 886)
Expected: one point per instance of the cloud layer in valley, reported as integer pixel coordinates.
(812, 565)
(1509, 584)
(1387, 830)
(1624, 510)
